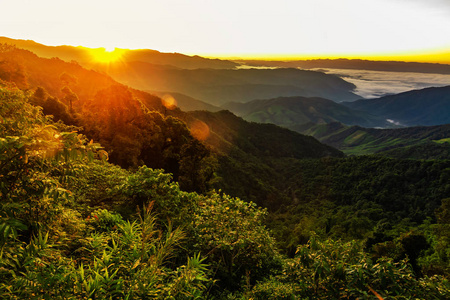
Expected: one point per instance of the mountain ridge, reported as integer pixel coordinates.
(424, 107)
(357, 140)
(355, 64)
(294, 111)
(217, 87)
(83, 56)
(205, 81)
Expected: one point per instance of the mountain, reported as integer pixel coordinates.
(210, 80)
(425, 107)
(251, 154)
(83, 55)
(229, 133)
(356, 64)
(291, 112)
(137, 128)
(358, 140)
(217, 87)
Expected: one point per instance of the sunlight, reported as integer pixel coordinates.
(106, 55)
(438, 55)
(200, 130)
(169, 101)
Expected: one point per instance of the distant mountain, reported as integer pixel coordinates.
(356, 64)
(210, 80)
(358, 140)
(217, 87)
(84, 57)
(177, 60)
(426, 107)
(291, 112)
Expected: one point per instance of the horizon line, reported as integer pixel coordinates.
(436, 56)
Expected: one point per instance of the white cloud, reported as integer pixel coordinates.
(374, 84)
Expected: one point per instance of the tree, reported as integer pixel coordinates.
(232, 235)
(69, 96)
(197, 167)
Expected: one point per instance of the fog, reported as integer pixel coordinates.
(374, 84)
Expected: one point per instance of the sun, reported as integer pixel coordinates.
(106, 55)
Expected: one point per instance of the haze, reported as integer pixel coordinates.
(403, 29)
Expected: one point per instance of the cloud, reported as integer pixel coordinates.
(374, 84)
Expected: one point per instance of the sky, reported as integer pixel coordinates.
(238, 28)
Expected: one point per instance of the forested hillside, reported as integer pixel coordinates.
(432, 140)
(425, 107)
(293, 112)
(219, 86)
(137, 128)
(122, 196)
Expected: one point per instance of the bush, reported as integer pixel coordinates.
(232, 235)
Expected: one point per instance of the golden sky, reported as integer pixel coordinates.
(240, 28)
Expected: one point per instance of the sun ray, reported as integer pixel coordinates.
(106, 55)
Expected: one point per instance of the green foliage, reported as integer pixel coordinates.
(335, 270)
(197, 167)
(133, 263)
(37, 159)
(231, 233)
(97, 186)
(49, 250)
(437, 260)
(153, 186)
(103, 220)
(274, 289)
(350, 198)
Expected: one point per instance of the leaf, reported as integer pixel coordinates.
(136, 263)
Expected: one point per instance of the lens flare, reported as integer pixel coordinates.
(169, 101)
(200, 130)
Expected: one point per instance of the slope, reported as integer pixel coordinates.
(291, 112)
(250, 153)
(217, 87)
(425, 107)
(358, 140)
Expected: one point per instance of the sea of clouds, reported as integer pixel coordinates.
(374, 84)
